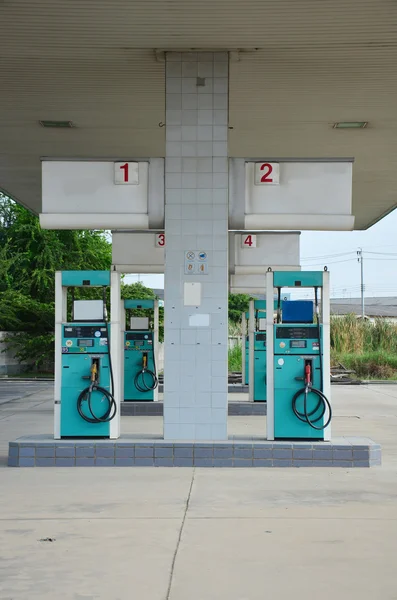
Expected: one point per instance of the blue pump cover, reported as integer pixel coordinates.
(297, 311)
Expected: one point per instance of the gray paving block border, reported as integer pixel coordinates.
(155, 409)
(43, 451)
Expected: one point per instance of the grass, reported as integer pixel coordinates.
(234, 356)
(350, 335)
(370, 365)
(368, 348)
(31, 375)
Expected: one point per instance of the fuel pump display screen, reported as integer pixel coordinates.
(86, 343)
(133, 335)
(85, 331)
(305, 333)
(298, 344)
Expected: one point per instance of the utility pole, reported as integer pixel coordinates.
(360, 260)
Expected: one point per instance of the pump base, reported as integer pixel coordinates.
(238, 451)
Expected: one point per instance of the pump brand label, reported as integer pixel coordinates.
(65, 350)
(69, 343)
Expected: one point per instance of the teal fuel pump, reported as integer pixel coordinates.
(298, 359)
(140, 346)
(258, 332)
(84, 372)
(259, 346)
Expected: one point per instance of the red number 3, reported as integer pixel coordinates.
(161, 240)
(266, 177)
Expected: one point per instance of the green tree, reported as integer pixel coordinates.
(29, 257)
(238, 303)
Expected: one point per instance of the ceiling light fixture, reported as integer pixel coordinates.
(58, 124)
(350, 125)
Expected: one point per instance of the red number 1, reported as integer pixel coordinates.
(265, 178)
(125, 169)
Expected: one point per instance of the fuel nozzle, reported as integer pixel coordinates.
(144, 360)
(94, 371)
(308, 373)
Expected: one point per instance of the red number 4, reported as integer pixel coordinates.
(248, 241)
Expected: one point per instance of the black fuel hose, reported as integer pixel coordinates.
(141, 384)
(323, 402)
(322, 405)
(86, 396)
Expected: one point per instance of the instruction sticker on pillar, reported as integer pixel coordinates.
(126, 173)
(196, 262)
(267, 173)
(191, 294)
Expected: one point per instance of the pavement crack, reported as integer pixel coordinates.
(179, 538)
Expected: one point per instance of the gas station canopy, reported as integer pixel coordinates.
(297, 68)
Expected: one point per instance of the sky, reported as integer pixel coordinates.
(338, 250)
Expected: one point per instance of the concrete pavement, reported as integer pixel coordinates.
(178, 534)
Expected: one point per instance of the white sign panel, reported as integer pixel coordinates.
(310, 195)
(267, 173)
(136, 253)
(83, 195)
(126, 173)
(191, 294)
(248, 264)
(199, 320)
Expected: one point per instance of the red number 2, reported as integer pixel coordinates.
(248, 240)
(265, 178)
(125, 169)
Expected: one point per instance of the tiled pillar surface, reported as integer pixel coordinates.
(196, 220)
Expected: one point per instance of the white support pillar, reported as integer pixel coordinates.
(156, 326)
(326, 347)
(269, 355)
(251, 350)
(60, 317)
(196, 262)
(116, 345)
(243, 336)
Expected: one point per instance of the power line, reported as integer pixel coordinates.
(383, 253)
(327, 256)
(330, 263)
(383, 259)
